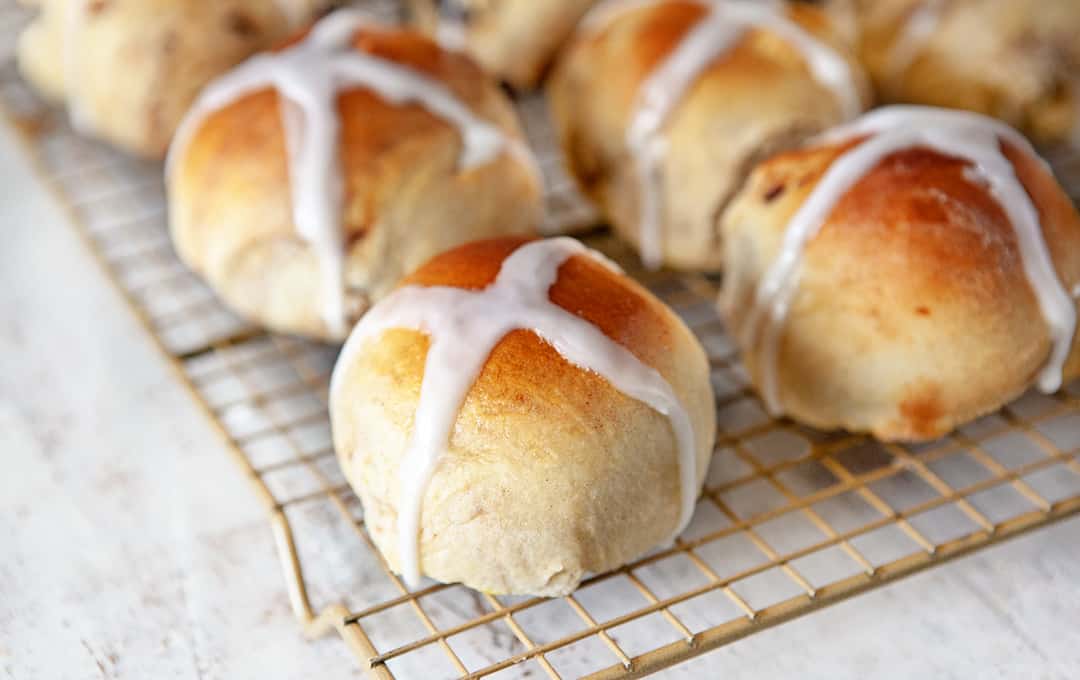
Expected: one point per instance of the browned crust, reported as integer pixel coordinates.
(920, 202)
(550, 471)
(919, 266)
(405, 195)
(251, 128)
(622, 309)
(712, 142)
(631, 47)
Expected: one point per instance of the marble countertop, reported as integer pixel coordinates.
(132, 548)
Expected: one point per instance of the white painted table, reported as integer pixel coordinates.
(132, 548)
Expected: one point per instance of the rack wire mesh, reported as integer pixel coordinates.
(791, 519)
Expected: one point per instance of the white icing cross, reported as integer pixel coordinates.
(308, 77)
(662, 91)
(969, 136)
(464, 327)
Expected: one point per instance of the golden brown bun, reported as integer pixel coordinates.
(136, 65)
(514, 39)
(757, 99)
(1017, 60)
(406, 198)
(551, 472)
(913, 314)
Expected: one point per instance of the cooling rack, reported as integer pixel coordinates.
(791, 520)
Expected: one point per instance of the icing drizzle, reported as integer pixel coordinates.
(663, 89)
(464, 327)
(308, 76)
(969, 136)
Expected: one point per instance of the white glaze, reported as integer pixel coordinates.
(308, 77)
(914, 35)
(464, 327)
(960, 134)
(663, 89)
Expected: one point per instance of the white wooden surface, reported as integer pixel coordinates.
(130, 548)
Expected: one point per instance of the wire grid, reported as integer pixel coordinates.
(791, 519)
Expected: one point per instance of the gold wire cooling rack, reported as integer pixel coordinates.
(791, 519)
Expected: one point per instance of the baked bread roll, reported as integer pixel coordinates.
(514, 39)
(1017, 60)
(304, 184)
(663, 106)
(519, 414)
(903, 275)
(128, 69)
